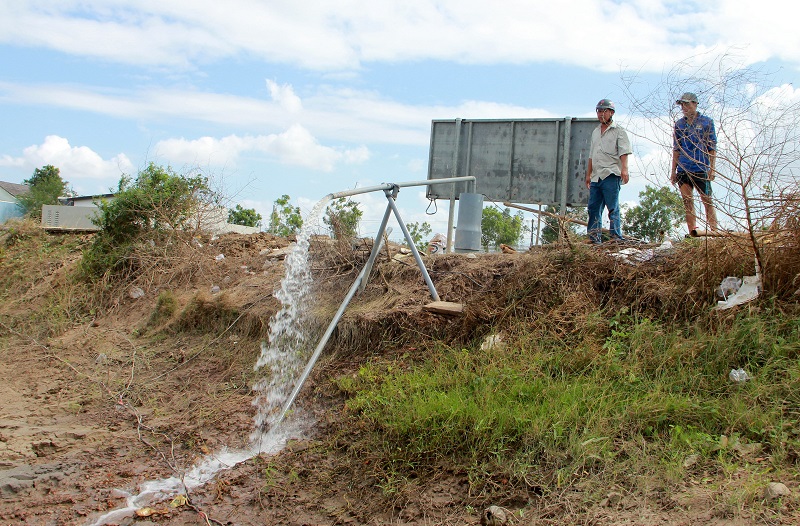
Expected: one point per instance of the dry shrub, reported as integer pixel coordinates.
(780, 248)
(559, 291)
(217, 314)
(18, 229)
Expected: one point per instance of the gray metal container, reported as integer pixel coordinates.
(468, 228)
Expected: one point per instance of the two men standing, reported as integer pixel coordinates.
(693, 166)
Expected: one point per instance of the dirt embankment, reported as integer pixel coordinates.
(95, 402)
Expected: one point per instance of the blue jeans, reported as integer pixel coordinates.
(604, 193)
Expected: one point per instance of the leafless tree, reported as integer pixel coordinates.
(757, 179)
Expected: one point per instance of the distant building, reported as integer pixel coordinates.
(84, 200)
(9, 205)
(77, 212)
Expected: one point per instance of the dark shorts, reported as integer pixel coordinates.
(698, 180)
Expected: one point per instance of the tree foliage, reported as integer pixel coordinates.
(45, 187)
(501, 227)
(550, 227)
(343, 216)
(659, 213)
(285, 219)
(244, 216)
(419, 234)
(158, 201)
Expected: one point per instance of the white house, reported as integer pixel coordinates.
(9, 205)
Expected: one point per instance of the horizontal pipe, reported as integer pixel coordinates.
(389, 186)
(548, 214)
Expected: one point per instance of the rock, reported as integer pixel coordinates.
(16, 480)
(101, 359)
(215, 289)
(748, 451)
(776, 490)
(494, 516)
(493, 341)
(690, 461)
(612, 500)
(135, 293)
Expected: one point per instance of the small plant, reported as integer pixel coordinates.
(342, 217)
(166, 307)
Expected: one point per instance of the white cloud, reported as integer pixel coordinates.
(294, 146)
(284, 95)
(344, 35)
(74, 162)
(344, 115)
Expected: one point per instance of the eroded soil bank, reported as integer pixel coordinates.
(92, 406)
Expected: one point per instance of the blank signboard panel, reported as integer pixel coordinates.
(521, 161)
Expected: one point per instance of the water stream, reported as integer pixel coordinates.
(285, 353)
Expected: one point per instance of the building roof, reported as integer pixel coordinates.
(13, 188)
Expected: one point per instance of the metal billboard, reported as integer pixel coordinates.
(528, 161)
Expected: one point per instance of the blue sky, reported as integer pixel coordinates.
(310, 97)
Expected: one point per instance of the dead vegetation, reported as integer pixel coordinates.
(165, 377)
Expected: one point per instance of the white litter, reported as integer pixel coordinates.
(637, 255)
(751, 287)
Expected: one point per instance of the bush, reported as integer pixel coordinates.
(159, 203)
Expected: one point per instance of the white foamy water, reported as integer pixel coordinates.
(285, 354)
(153, 492)
(288, 348)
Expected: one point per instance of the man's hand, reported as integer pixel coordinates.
(625, 176)
(673, 178)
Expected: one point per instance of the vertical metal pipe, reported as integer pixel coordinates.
(565, 164)
(538, 224)
(451, 213)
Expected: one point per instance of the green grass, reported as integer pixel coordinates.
(636, 399)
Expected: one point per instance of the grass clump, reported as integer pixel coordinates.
(646, 397)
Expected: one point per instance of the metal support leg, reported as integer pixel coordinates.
(411, 244)
(374, 254)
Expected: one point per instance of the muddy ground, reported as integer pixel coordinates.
(91, 411)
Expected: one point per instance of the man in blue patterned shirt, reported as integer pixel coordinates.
(694, 157)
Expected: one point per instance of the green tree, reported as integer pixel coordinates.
(343, 216)
(285, 219)
(659, 212)
(244, 216)
(550, 227)
(501, 227)
(420, 234)
(46, 186)
(158, 202)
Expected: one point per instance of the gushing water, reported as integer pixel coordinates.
(285, 353)
(288, 348)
